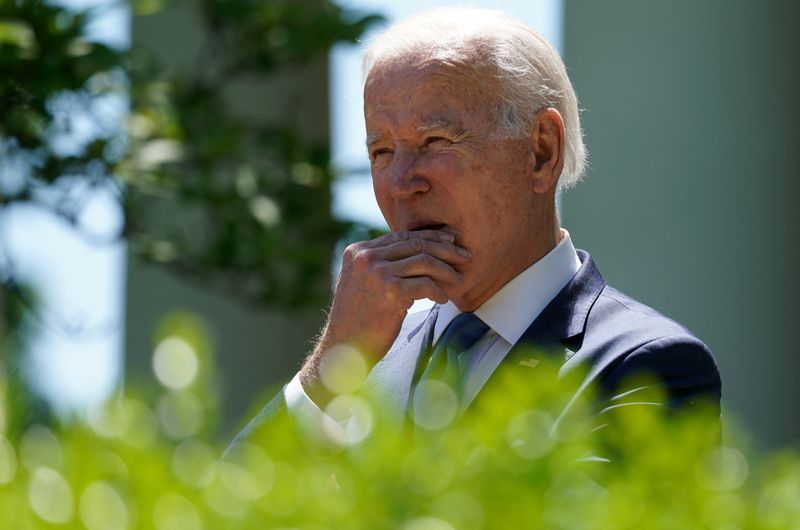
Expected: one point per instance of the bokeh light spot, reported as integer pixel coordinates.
(174, 512)
(39, 447)
(127, 419)
(462, 509)
(724, 469)
(343, 369)
(191, 461)
(180, 414)
(175, 363)
(50, 496)
(530, 434)
(134, 423)
(8, 461)
(223, 495)
(239, 481)
(355, 412)
(265, 210)
(427, 523)
(435, 405)
(254, 459)
(102, 508)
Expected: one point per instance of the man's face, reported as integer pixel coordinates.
(438, 163)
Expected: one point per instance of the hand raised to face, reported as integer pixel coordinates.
(381, 278)
(378, 283)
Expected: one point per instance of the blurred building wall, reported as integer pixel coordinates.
(691, 119)
(255, 349)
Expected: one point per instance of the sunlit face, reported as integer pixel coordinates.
(437, 162)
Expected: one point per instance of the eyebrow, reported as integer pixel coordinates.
(439, 122)
(432, 124)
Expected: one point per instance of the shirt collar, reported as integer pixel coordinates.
(512, 309)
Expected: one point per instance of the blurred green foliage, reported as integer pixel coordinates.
(216, 194)
(146, 461)
(15, 315)
(255, 194)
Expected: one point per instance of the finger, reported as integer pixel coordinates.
(425, 265)
(395, 237)
(421, 287)
(445, 251)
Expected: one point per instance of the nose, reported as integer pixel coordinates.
(408, 175)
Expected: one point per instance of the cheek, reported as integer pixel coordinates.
(381, 189)
(503, 203)
(445, 166)
(510, 180)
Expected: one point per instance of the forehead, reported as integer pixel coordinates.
(431, 93)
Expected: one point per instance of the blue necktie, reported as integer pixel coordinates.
(462, 333)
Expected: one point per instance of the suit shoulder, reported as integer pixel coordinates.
(629, 337)
(621, 313)
(622, 333)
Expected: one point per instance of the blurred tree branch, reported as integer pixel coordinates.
(209, 193)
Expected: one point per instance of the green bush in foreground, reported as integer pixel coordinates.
(141, 464)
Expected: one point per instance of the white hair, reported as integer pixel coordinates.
(530, 71)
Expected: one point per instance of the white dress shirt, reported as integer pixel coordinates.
(508, 313)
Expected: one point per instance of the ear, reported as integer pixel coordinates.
(547, 144)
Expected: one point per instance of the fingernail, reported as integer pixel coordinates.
(447, 237)
(464, 252)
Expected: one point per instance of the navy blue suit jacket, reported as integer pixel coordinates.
(606, 335)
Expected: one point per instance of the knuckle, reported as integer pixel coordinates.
(427, 260)
(362, 257)
(350, 251)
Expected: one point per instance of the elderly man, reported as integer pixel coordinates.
(472, 126)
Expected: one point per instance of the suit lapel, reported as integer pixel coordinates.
(558, 330)
(390, 381)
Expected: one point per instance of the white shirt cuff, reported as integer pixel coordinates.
(312, 420)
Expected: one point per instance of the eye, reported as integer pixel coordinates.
(437, 143)
(435, 140)
(380, 152)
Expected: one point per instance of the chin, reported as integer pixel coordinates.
(464, 298)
